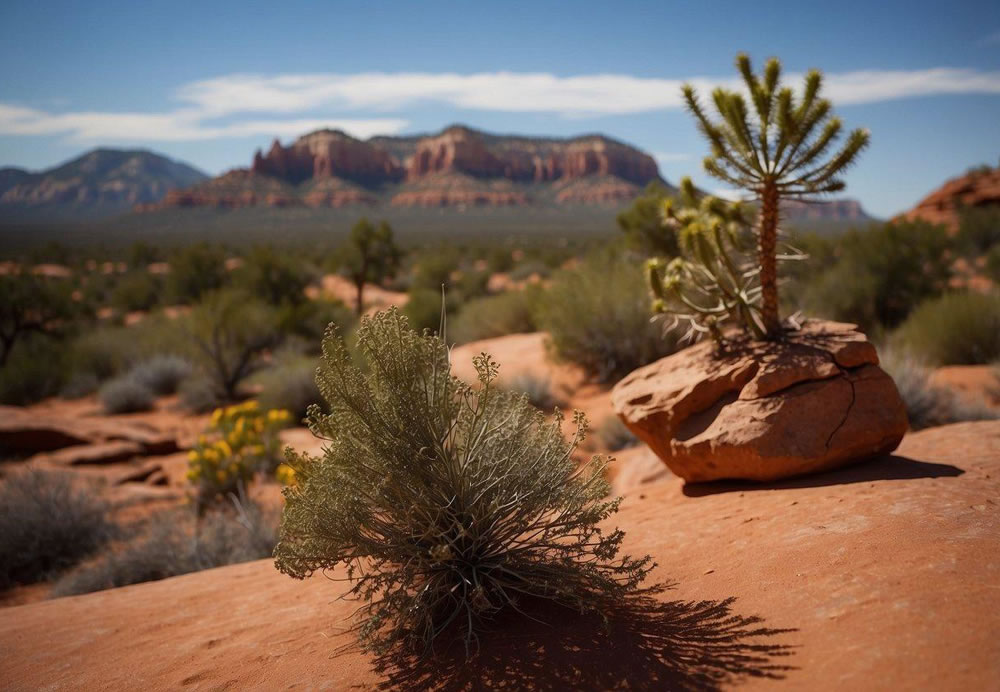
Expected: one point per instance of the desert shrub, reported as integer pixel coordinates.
(928, 405)
(434, 269)
(445, 502)
(125, 395)
(881, 274)
(597, 316)
(37, 368)
(978, 230)
(993, 264)
(614, 435)
(423, 309)
(511, 312)
(198, 395)
(309, 319)
(499, 260)
(538, 390)
(161, 374)
(46, 526)
(175, 543)
(79, 385)
(137, 290)
(290, 385)
(108, 351)
(955, 329)
(229, 332)
(240, 441)
(33, 305)
(272, 277)
(642, 224)
(195, 271)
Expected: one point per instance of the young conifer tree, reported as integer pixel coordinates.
(371, 255)
(780, 150)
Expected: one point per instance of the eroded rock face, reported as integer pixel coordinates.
(763, 411)
(978, 188)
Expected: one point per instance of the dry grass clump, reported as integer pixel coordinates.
(444, 503)
(538, 389)
(928, 405)
(175, 543)
(125, 395)
(955, 329)
(46, 526)
(614, 435)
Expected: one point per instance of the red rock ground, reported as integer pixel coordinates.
(879, 576)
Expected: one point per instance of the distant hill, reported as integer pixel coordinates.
(102, 182)
(979, 187)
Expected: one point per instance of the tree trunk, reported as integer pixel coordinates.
(768, 245)
(359, 286)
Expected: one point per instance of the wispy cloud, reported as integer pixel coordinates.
(230, 106)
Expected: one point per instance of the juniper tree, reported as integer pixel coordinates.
(371, 255)
(780, 150)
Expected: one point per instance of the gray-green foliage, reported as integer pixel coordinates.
(445, 503)
(510, 312)
(597, 316)
(955, 329)
(47, 525)
(125, 395)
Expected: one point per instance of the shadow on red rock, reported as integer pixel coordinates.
(887, 468)
(648, 644)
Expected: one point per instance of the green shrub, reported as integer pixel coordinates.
(955, 329)
(445, 502)
(526, 269)
(125, 395)
(198, 395)
(993, 265)
(176, 543)
(511, 312)
(196, 271)
(978, 230)
(46, 526)
(290, 385)
(161, 374)
(614, 435)
(928, 405)
(79, 385)
(643, 226)
(137, 290)
(881, 275)
(275, 278)
(423, 309)
(598, 316)
(36, 369)
(309, 320)
(229, 332)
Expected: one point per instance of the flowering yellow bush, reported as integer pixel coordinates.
(240, 441)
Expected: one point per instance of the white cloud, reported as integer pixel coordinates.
(731, 195)
(235, 97)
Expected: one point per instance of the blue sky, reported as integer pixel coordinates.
(209, 82)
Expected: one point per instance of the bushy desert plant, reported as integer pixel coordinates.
(614, 435)
(880, 274)
(780, 151)
(196, 271)
(36, 369)
(47, 525)
(446, 503)
(162, 374)
(198, 395)
(370, 256)
(642, 223)
(978, 230)
(125, 395)
(597, 316)
(955, 329)
(229, 332)
(424, 306)
(175, 543)
(32, 304)
(928, 405)
(240, 441)
(290, 384)
(511, 312)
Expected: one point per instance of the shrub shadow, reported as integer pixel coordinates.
(885, 468)
(647, 644)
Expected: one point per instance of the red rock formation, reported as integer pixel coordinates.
(327, 154)
(454, 150)
(834, 209)
(596, 190)
(974, 189)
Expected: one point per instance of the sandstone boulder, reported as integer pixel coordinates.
(763, 411)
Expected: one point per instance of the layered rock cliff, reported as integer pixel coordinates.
(457, 167)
